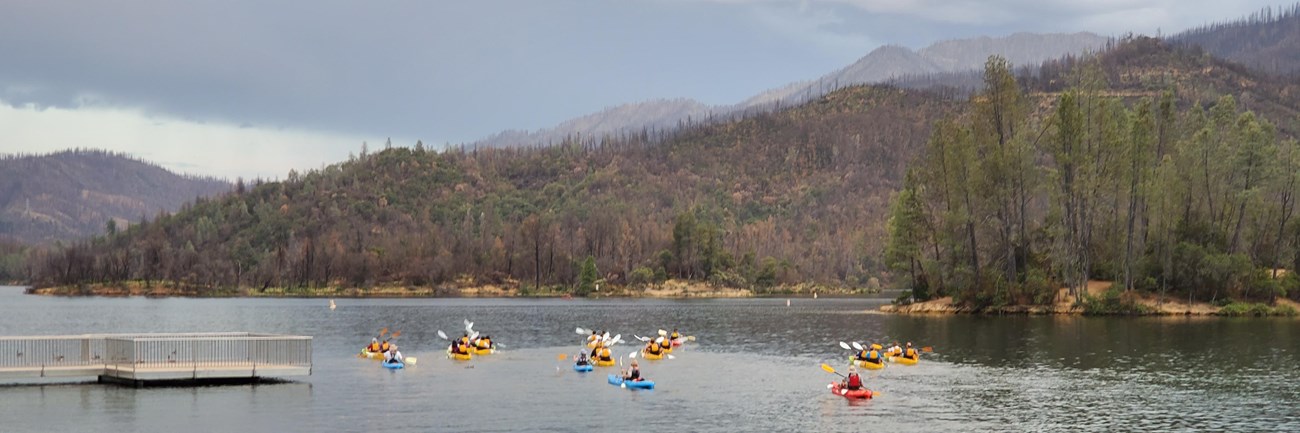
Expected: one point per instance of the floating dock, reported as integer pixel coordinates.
(157, 359)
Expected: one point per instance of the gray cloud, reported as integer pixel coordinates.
(457, 71)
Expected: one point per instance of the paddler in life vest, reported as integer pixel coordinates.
(633, 374)
(852, 382)
(458, 348)
(911, 353)
(582, 359)
(665, 344)
(676, 335)
(894, 350)
(653, 348)
(872, 356)
(605, 355)
(385, 346)
(373, 347)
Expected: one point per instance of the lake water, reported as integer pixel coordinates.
(754, 367)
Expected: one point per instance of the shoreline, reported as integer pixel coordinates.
(671, 289)
(1131, 304)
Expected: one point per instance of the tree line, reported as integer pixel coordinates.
(1021, 195)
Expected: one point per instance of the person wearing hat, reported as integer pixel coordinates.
(633, 373)
(872, 356)
(852, 382)
(393, 355)
(910, 353)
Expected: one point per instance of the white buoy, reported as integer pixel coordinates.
(787, 302)
(332, 306)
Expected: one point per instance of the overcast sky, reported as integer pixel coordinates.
(256, 87)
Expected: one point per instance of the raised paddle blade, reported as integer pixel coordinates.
(828, 368)
(382, 332)
(581, 331)
(857, 346)
(442, 335)
(631, 355)
(397, 334)
(690, 338)
(659, 340)
(411, 360)
(638, 337)
(562, 357)
(663, 332)
(845, 346)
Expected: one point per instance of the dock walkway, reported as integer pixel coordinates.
(143, 359)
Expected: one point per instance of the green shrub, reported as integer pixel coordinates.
(641, 276)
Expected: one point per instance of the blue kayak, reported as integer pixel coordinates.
(393, 365)
(617, 380)
(582, 368)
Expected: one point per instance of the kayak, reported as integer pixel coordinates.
(592, 344)
(651, 356)
(609, 363)
(677, 342)
(903, 360)
(617, 380)
(865, 364)
(371, 355)
(582, 368)
(459, 356)
(854, 394)
(393, 365)
(487, 351)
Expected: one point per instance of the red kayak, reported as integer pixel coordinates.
(854, 394)
(677, 342)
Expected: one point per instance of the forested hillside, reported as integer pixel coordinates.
(795, 196)
(800, 195)
(1149, 166)
(75, 194)
(1266, 40)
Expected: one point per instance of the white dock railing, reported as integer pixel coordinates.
(145, 356)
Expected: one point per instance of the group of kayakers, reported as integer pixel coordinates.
(876, 354)
(463, 344)
(387, 348)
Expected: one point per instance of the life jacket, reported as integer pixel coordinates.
(676, 335)
(665, 344)
(911, 353)
(654, 349)
(373, 347)
(384, 347)
(855, 382)
(873, 356)
(605, 355)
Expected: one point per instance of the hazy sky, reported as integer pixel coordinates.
(256, 87)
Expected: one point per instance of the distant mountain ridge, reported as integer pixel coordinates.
(73, 194)
(880, 65)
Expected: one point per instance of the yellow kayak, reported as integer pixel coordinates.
(482, 352)
(865, 364)
(371, 355)
(903, 360)
(651, 356)
(459, 356)
(609, 363)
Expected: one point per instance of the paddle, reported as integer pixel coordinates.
(927, 349)
(562, 357)
(690, 338)
(663, 332)
(382, 332)
(643, 339)
(443, 335)
(830, 369)
(632, 355)
(845, 346)
(583, 331)
(857, 346)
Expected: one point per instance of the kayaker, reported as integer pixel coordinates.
(458, 348)
(605, 355)
(653, 349)
(676, 335)
(911, 353)
(872, 356)
(393, 355)
(666, 344)
(373, 347)
(633, 373)
(582, 359)
(894, 350)
(384, 347)
(852, 382)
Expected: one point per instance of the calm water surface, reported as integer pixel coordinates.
(755, 367)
